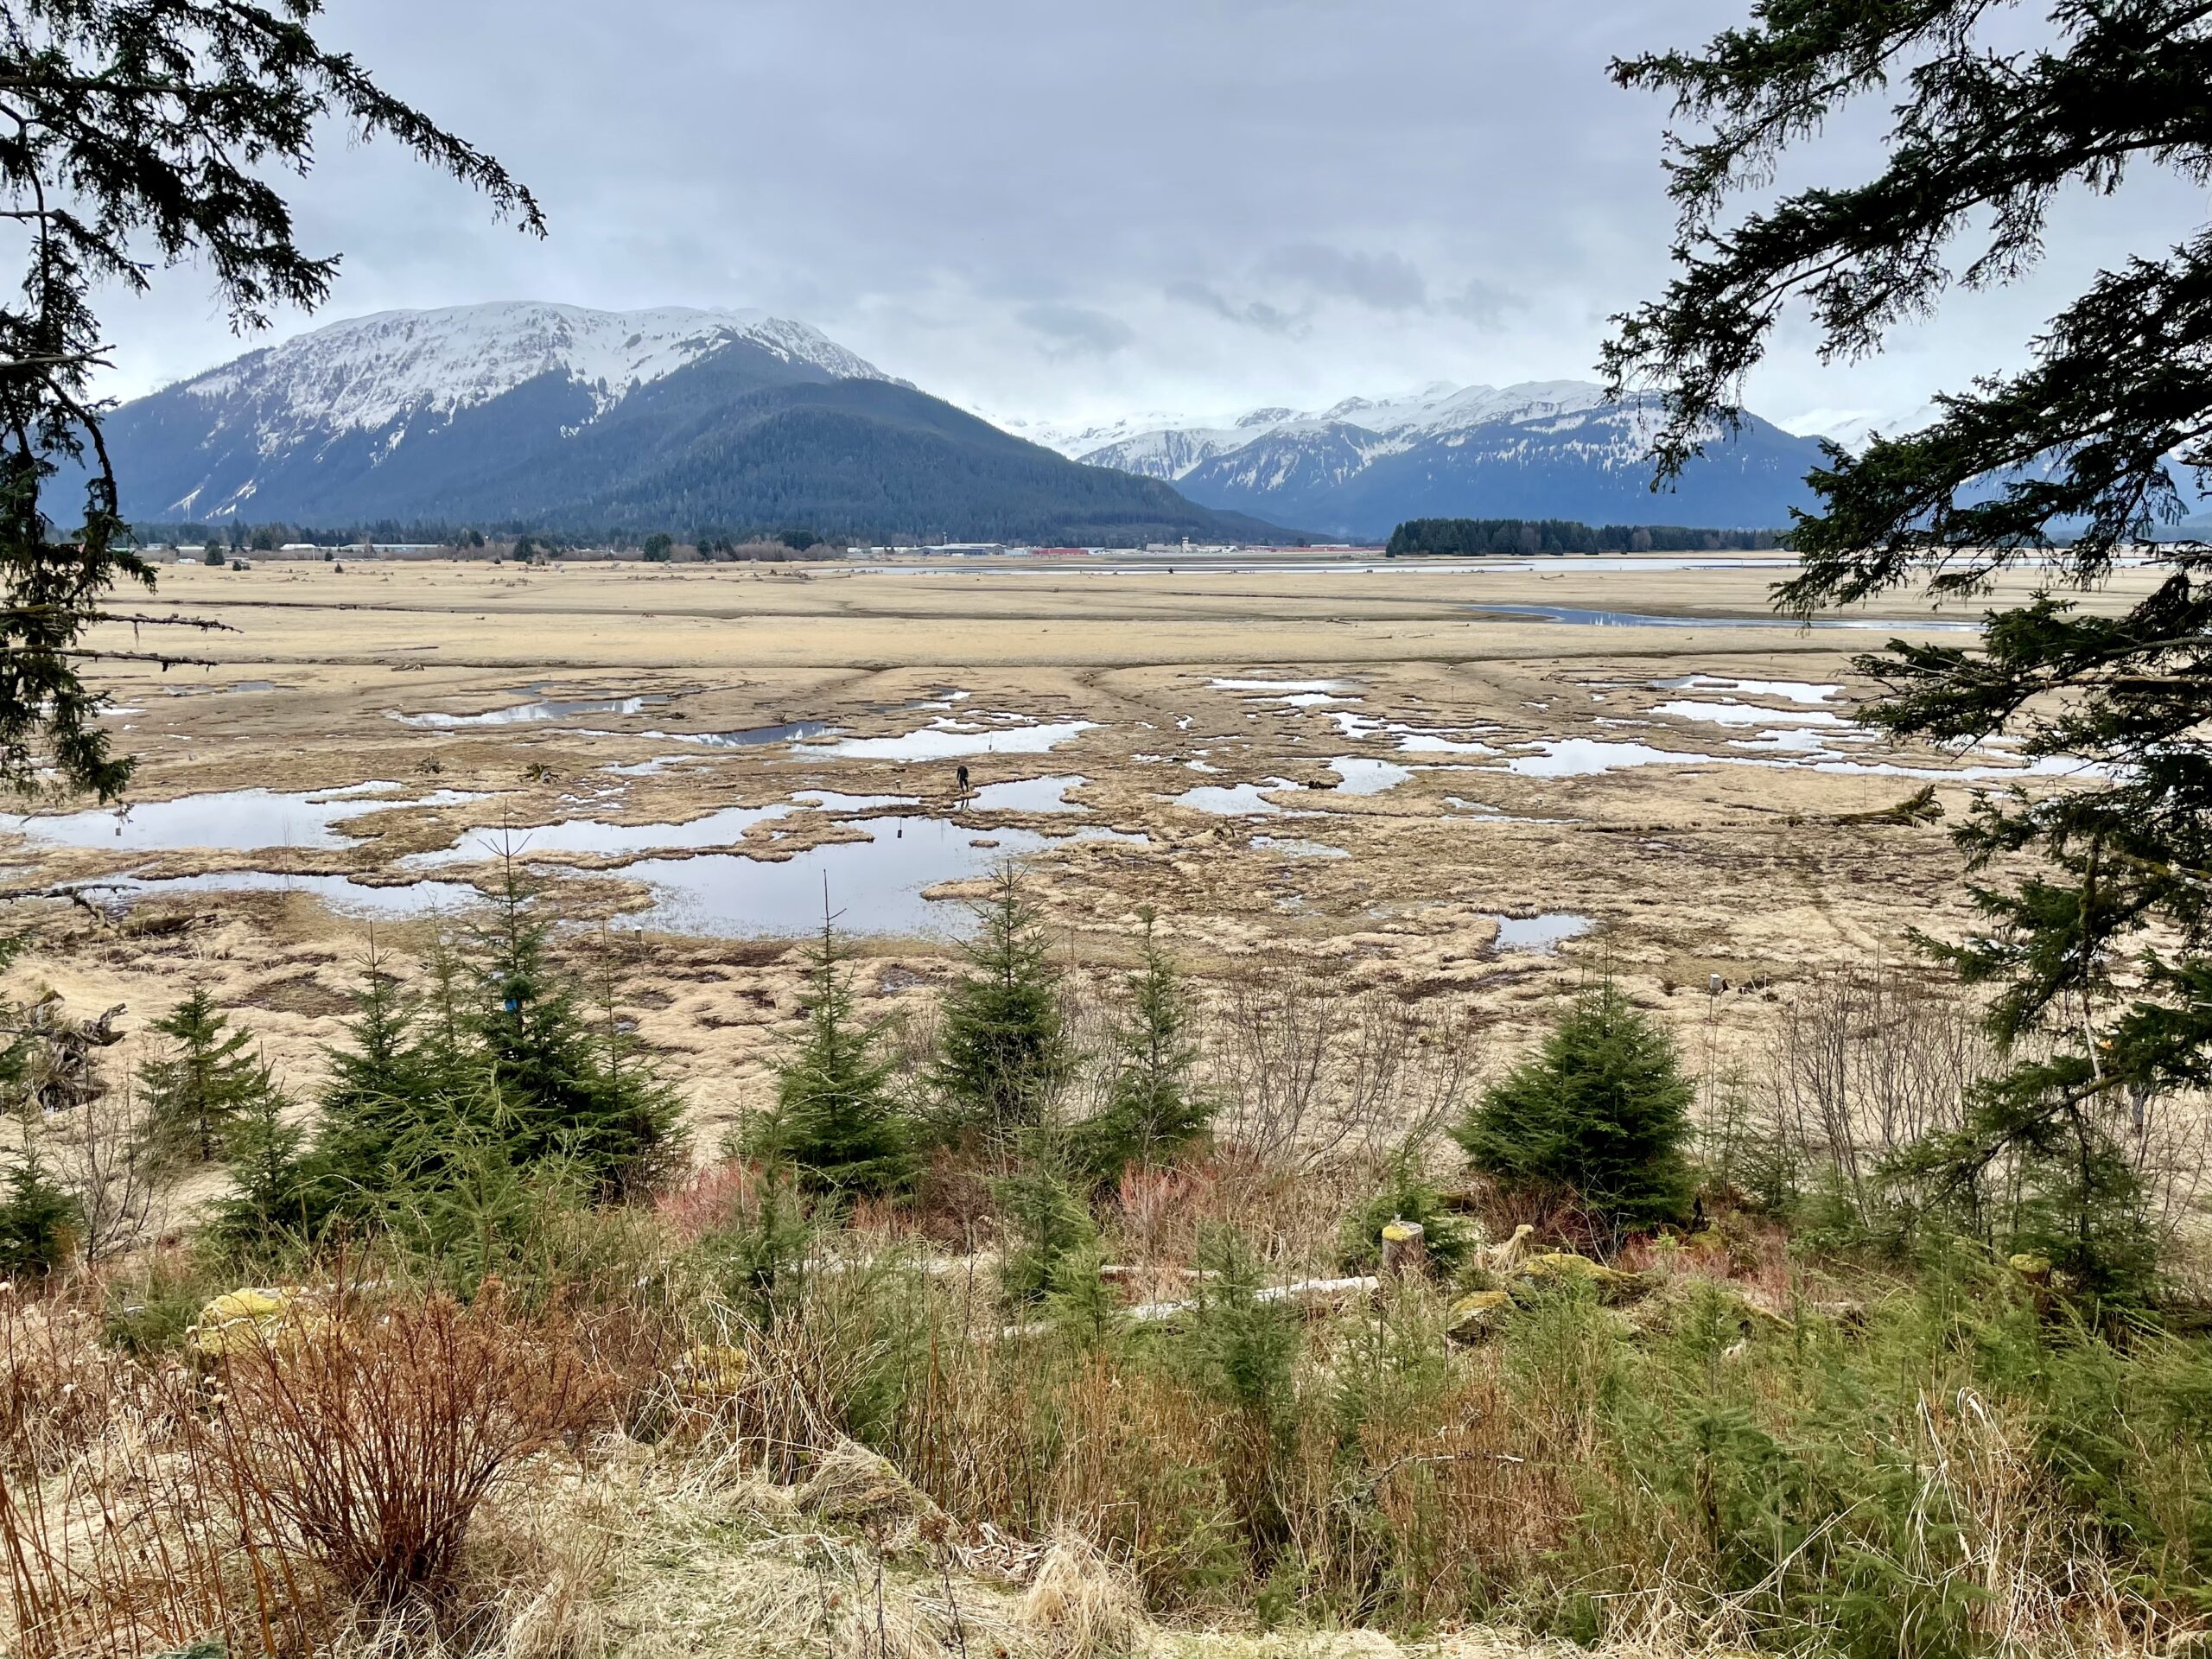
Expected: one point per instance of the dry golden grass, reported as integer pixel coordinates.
(618, 1549)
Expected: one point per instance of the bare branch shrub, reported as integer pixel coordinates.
(1309, 1072)
(325, 1471)
(2167, 1142)
(367, 1435)
(110, 1543)
(1868, 1061)
(1092, 1012)
(104, 1159)
(1156, 1212)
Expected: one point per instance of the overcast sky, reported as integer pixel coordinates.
(1066, 210)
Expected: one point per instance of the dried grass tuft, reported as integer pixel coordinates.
(1083, 1605)
(854, 1487)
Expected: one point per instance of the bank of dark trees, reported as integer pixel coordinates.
(1466, 537)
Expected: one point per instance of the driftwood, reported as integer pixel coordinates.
(1306, 1295)
(1919, 807)
(63, 1073)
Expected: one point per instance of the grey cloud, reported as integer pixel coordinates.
(1485, 304)
(1076, 330)
(1386, 281)
(1047, 209)
(1253, 314)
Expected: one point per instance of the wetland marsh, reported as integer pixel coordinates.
(1388, 767)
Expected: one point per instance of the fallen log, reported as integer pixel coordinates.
(1306, 1295)
(1919, 807)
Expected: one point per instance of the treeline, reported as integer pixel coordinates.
(263, 537)
(780, 542)
(1466, 536)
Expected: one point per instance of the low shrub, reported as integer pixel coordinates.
(147, 1309)
(366, 1434)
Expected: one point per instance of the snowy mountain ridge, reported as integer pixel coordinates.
(534, 413)
(366, 373)
(1536, 448)
(1165, 445)
(1186, 439)
(554, 418)
(1854, 430)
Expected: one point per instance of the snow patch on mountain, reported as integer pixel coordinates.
(1853, 428)
(1077, 438)
(1173, 450)
(365, 373)
(1540, 448)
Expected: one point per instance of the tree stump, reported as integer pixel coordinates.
(1403, 1251)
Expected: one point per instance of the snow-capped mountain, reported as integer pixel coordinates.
(368, 372)
(400, 376)
(554, 417)
(1546, 448)
(1075, 439)
(1853, 428)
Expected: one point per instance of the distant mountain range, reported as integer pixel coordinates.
(553, 418)
(1543, 449)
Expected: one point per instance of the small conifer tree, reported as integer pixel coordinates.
(38, 1219)
(1154, 1107)
(763, 1252)
(1599, 1116)
(472, 1210)
(275, 1196)
(565, 1091)
(384, 1081)
(410, 1092)
(381, 1034)
(457, 1101)
(838, 1121)
(1052, 1241)
(1002, 1049)
(198, 1090)
(1240, 1347)
(1081, 1304)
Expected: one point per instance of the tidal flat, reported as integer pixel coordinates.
(1379, 766)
